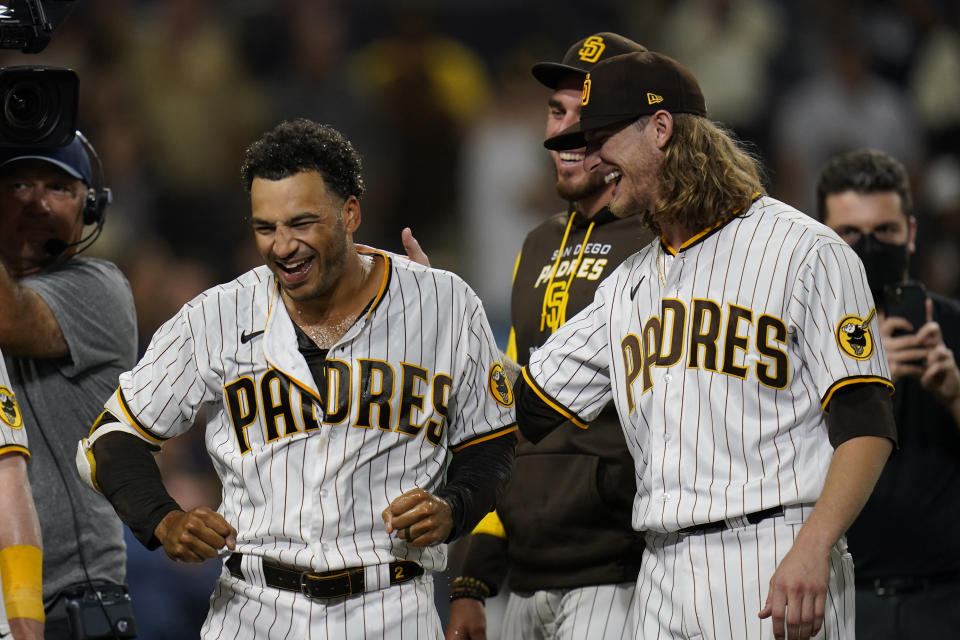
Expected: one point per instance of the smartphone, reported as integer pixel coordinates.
(906, 300)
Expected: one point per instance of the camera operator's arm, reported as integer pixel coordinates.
(27, 325)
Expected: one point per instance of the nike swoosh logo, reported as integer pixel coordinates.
(633, 292)
(247, 337)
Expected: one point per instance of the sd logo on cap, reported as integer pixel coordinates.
(625, 87)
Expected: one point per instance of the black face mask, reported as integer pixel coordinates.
(885, 263)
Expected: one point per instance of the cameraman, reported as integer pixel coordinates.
(911, 590)
(67, 329)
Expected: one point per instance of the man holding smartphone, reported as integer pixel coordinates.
(903, 591)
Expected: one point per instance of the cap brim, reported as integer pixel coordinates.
(62, 165)
(574, 136)
(550, 73)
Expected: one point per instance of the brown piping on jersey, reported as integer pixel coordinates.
(15, 448)
(703, 235)
(387, 274)
(556, 406)
(510, 428)
(151, 437)
(843, 382)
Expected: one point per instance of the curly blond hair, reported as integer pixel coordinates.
(707, 176)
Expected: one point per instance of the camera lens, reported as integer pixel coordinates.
(38, 106)
(24, 106)
(27, 106)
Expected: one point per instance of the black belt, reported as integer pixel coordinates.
(328, 584)
(907, 584)
(720, 525)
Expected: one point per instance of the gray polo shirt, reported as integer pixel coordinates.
(60, 398)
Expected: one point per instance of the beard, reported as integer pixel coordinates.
(329, 266)
(573, 190)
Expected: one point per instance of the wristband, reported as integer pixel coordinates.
(467, 587)
(21, 567)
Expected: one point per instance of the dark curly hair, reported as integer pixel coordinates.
(302, 145)
(863, 171)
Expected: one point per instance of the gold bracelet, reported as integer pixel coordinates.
(467, 587)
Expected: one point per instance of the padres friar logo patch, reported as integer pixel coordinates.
(9, 409)
(499, 386)
(591, 49)
(855, 337)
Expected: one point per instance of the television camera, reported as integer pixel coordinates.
(38, 104)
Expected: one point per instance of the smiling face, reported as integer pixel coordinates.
(574, 182)
(304, 233)
(39, 202)
(632, 155)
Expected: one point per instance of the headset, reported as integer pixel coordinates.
(94, 206)
(99, 196)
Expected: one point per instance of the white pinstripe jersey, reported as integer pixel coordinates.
(720, 358)
(411, 380)
(13, 437)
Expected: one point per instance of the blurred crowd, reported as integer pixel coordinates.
(439, 100)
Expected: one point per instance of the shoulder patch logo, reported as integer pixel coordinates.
(592, 49)
(9, 409)
(653, 98)
(500, 386)
(854, 336)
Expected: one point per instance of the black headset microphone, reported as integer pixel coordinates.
(94, 207)
(56, 246)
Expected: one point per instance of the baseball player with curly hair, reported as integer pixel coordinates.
(337, 381)
(21, 551)
(757, 428)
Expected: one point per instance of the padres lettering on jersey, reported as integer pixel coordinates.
(558, 269)
(695, 338)
(307, 472)
(284, 409)
(712, 354)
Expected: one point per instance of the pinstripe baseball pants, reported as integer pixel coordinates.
(712, 586)
(598, 612)
(240, 610)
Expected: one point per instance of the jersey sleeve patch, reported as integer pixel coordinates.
(499, 385)
(9, 409)
(855, 337)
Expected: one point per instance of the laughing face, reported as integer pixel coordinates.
(573, 182)
(630, 156)
(302, 231)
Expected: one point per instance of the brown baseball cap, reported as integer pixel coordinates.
(626, 87)
(581, 57)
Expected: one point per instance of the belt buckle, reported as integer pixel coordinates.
(305, 585)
